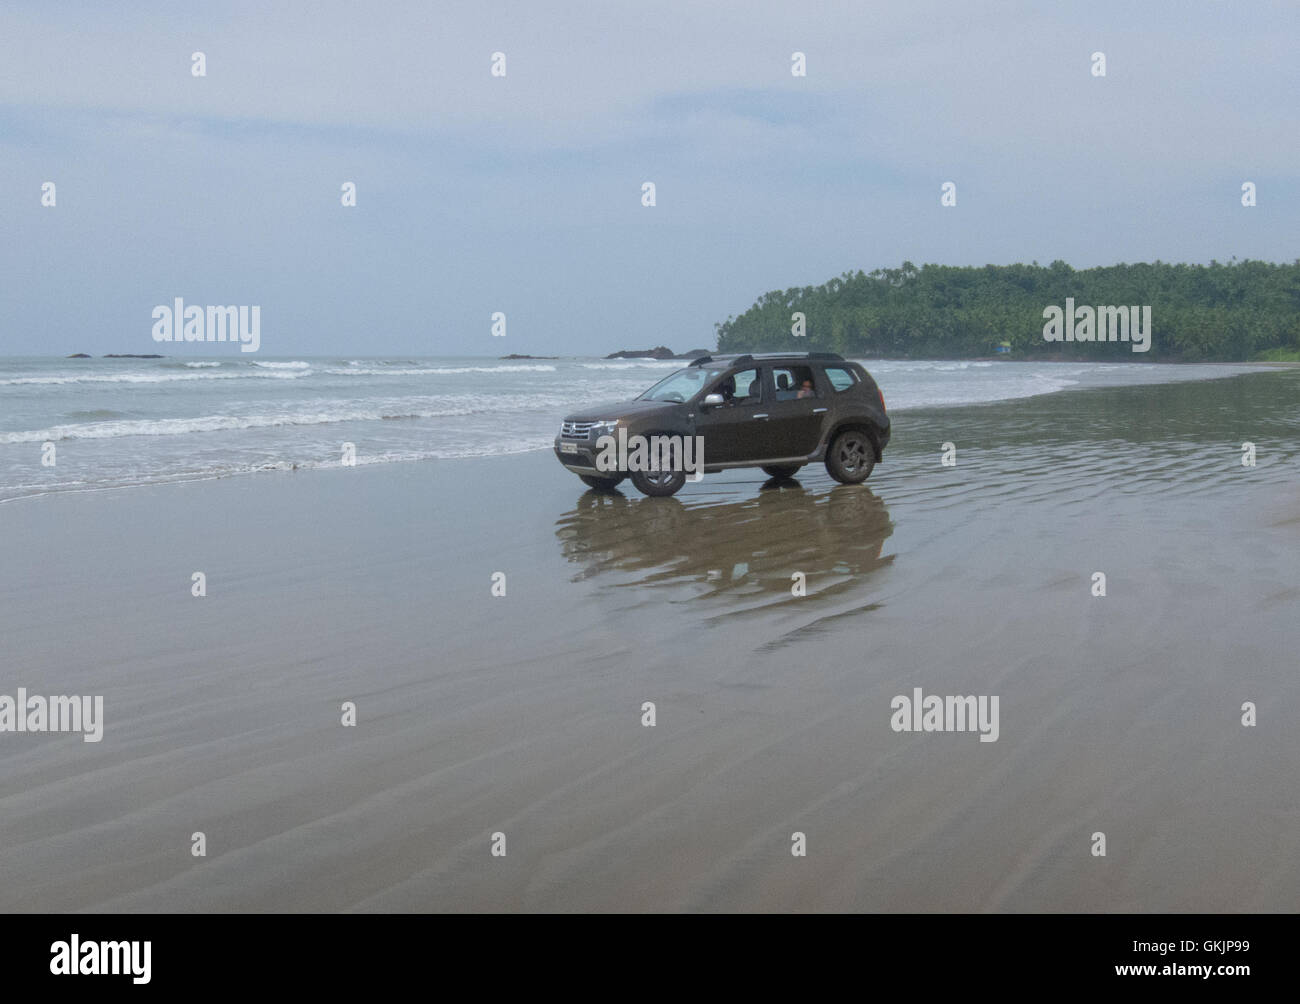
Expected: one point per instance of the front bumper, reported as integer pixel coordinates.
(583, 461)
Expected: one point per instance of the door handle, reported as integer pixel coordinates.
(818, 411)
(760, 416)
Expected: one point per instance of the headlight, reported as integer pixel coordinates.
(603, 429)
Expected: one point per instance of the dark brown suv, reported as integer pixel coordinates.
(774, 411)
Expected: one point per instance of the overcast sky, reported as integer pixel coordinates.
(522, 194)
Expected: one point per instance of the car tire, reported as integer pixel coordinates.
(851, 457)
(661, 484)
(600, 484)
(785, 471)
(658, 484)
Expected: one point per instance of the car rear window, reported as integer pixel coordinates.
(790, 381)
(841, 378)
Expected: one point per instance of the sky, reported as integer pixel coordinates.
(522, 194)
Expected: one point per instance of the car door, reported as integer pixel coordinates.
(795, 423)
(734, 432)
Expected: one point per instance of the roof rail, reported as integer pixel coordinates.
(799, 355)
(748, 357)
(729, 360)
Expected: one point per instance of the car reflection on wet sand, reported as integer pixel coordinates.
(733, 551)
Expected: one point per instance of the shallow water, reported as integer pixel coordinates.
(122, 422)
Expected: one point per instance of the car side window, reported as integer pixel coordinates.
(841, 378)
(794, 383)
(740, 388)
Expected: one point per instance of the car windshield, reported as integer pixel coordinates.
(680, 386)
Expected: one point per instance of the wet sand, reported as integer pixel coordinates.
(522, 714)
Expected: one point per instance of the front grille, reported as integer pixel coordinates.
(576, 430)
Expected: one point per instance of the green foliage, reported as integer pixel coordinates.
(1242, 310)
(1280, 355)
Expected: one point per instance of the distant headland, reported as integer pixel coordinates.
(1221, 312)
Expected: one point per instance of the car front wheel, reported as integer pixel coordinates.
(666, 481)
(851, 457)
(658, 483)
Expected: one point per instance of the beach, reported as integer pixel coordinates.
(522, 714)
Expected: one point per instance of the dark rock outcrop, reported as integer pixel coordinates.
(658, 352)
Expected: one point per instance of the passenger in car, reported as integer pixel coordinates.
(807, 389)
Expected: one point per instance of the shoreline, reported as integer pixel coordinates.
(287, 467)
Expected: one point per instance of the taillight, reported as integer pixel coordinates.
(882, 398)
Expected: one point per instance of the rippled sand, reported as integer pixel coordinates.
(522, 714)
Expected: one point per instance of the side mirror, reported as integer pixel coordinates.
(713, 399)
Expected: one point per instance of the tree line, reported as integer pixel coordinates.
(1236, 311)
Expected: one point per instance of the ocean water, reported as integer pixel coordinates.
(121, 422)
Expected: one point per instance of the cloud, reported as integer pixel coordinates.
(476, 190)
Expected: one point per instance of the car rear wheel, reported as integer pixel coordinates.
(851, 457)
(786, 471)
(600, 484)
